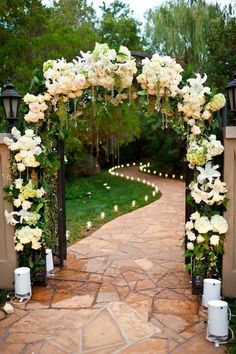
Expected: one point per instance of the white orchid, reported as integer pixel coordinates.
(10, 217)
(209, 172)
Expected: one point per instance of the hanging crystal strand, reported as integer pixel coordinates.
(93, 94)
(97, 144)
(129, 95)
(48, 124)
(75, 111)
(158, 104)
(112, 150)
(166, 125)
(112, 94)
(162, 121)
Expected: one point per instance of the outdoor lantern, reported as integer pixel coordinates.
(22, 283)
(218, 322)
(49, 261)
(10, 100)
(211, 291)
(231, 93)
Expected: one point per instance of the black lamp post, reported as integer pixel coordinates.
(231, 93)
(10, 100)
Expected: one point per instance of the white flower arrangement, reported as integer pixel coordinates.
(111, 73)
(203, 150)
(208, 188)
(194, 96)
(160, 76)
(204, 230)
(27, 147)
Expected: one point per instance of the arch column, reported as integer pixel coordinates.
(229, 258)
(8, 259)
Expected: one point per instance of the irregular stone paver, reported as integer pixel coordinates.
(124, 290)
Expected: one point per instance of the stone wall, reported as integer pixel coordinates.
(229, 258)
(7, 252)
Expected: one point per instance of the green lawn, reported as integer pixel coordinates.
(87, 197)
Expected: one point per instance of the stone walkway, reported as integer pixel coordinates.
(124, 291)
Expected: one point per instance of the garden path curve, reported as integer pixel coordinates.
(124, 290)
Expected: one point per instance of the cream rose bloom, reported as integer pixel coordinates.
(200, 239)
(189, 225)
(214, 240)
(195, 216)
(219, 224)
(19, 247)
(190, 246)
(203, 225)
(191, 235)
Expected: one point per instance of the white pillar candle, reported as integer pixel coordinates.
(89, 225)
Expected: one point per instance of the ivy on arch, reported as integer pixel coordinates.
(101, 79)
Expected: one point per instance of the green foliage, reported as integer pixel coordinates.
(181, 29)
(82, 206)
(221, 46)
(163, 147)
(99, 125)
(119, 27)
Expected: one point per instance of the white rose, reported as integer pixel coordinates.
(206, 115)
(17, 203)
(26, 205)
(219, 224)
(200, 239)
(20, 167)
(190, 246)
(18, 183)
(19, 247)
(29, 133)
(190, 235)
(203, 225)
(214, 240)
(195, 216)
(191, 122)
(36, 245)
(40, 192)
(195, 130)
(189, 225)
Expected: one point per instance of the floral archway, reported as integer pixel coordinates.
(111, 78)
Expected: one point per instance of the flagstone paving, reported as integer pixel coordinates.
(124, 290)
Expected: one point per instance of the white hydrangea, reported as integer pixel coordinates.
(219, 224)
(203, 225)
(27, 234)
(190, 246)
(200, 239)
(195, 216)
(189, 225)
(160, 75)
(190, 235)
(214, 240)
(28, 148)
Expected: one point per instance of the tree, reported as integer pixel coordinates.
(221, 47)
(179, 29)
(20, 21)
(119, 27)
(30, 34)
